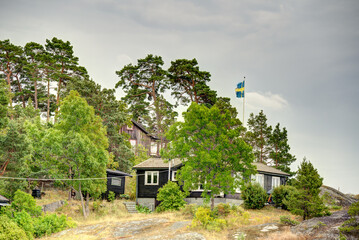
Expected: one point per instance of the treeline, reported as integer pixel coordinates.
(38, 78)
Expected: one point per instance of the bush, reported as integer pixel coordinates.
(171, 197)
(280, 193)
(222, 209)
(142, 209)
(351, 226)
(48, 224)
(254, 196)
(206, 219)
(288, 221)
(24, 201)
(9, 230)
(24, 221)
(124, 196)
(111, 196)
(190, 210)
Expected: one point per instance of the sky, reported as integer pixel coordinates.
(300, 59)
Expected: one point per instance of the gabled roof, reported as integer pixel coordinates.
(143, 129)
(267, 169)
(4, 199)
(157, 163)
(118, 173)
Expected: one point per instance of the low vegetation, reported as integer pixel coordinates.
(351, 226)
(171, 197)
(254, 196)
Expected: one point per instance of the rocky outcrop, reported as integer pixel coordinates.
(51, 207)
(322, 227)
(335, 197)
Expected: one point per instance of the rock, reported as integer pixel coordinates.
(322, 227)
(51, 207)
(336, 197)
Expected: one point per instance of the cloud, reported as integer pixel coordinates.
(268, 100)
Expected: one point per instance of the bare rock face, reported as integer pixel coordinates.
(336, 197)
(322, 227)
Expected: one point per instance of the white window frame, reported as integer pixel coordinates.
(259, 178)
(174, 173)
(116, 181)
(129, 127)
(275, 182)
(152, 173)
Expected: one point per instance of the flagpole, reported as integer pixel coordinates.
(244, 99)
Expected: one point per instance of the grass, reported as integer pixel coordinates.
(109, 213)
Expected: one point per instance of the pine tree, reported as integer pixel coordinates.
(279, 153)
(307, 202)
(258, 136)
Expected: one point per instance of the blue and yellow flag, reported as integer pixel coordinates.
(240, 90)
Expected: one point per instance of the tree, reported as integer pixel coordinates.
(279, 153)
(10, 59)
(258, 136)
(77, 146)
(114, 115)
(189, 84)
(171, 197)
(306, 202)
(65, 63)
(4, 101)
(211, 150)
(144, 85)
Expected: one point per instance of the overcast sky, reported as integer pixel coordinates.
(300, 58)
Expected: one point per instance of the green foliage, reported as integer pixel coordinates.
(222, 209)
(351, 226)
(288, 221)
(212, 148)
(205, 218)
(24, 221)
(171, 197)
(51, 223)
(280, 193)
(4, 101)
(124, 196)
(190, 210)
(254, 196)
(143, 209)
(111, 196)
(258, 136)
(306, 202)
(9, 230)
(24, 201)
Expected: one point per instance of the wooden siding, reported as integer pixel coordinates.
(116, 189)
(150, 191)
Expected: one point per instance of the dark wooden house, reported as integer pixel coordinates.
(116, 181)
(153, 173)
(140, 136)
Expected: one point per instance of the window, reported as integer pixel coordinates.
(174, 174)
(275, 182)
(151, 177)
(116, 181)
(259, 178)
(153, 148)
(129, 127)
(238, 178)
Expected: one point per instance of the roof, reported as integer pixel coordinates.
(118, 173)
(143, 129)
(3, 199)
(268, 169)
(157, 163)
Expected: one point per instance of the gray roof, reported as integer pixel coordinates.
(267, 169)
(118, 173)
(157, 163)
(3, 199)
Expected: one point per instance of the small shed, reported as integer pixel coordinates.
(4, 201)
(116, 181)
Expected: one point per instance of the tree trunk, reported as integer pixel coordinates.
(48, 100)
(212, 203)
(82, 202)
(87, 204)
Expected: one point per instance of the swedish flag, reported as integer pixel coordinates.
(240, 90)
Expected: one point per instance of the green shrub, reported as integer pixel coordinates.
(222, 209)
(24, 221)
(111, 196)
(288, 221)
(171, 197)
(9, 230)
(190, 210)
(351, 226)
(125, 196)
(24, 201)
(254, 196)
(204, 218)
(51, 223)
(142, 209)
(280, 193)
